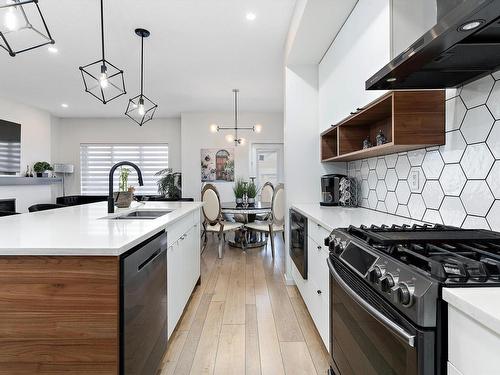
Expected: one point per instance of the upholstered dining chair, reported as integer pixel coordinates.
(213, 221)
(266, 192)
(276, 221)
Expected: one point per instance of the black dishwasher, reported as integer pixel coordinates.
(143, 333)
(298, 242)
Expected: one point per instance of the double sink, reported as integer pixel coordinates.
(142, 215)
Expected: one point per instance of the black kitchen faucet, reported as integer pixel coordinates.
(111, 200)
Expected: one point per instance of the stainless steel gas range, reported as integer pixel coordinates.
(386, 311)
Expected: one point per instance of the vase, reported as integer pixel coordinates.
(251, 201)
(239, 202)
(123, 199)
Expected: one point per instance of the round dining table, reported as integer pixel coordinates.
(248, 212)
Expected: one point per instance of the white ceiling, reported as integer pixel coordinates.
(198, 51)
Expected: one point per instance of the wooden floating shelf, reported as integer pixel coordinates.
(409, 119)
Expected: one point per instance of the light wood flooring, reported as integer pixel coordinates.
(243, 319)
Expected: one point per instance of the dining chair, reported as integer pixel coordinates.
(266, 192)
(45, 207)
(213, 221)
(276, 221)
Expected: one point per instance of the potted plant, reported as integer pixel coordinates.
(239, 190)
(41, 168)
(170, 183)
(125, 194)
(251, 192)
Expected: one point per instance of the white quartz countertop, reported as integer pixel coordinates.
(481, 304)
(84, 230)
(340, 217)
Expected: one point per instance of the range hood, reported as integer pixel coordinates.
(464, 45)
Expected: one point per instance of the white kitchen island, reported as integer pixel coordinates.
(61, 282)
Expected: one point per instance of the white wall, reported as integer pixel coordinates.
(35, 146)
(361, 48)
(196, 134)
(70, 133)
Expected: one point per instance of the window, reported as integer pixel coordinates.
(97, 159)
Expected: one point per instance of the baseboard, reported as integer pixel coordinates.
(288, 280)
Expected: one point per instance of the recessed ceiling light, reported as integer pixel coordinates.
(471, 25)
(64, 105)
(251, 16)
(52, 49)
(392, 79)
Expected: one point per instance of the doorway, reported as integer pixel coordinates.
(267, 163)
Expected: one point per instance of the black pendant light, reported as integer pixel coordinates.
(140, 108)
(102, 79)
(22, 26)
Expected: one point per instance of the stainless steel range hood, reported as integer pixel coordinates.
(464, 45)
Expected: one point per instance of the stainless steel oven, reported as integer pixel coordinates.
(298, 241)
(368, 335)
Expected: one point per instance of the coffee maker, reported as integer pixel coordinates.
(330, 189)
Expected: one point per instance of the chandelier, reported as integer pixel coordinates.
(235, 138)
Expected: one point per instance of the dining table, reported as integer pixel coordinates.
(246, 213)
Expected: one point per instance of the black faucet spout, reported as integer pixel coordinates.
(111, 200)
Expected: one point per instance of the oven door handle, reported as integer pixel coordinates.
(396, 329)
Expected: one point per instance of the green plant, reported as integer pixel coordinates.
(170, 183)
(123, 183)
(239, 188)
(42, 166)
(251, 190)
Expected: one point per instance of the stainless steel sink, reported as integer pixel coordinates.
(142, 215)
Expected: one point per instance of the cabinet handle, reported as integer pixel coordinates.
(319, 291)
(319, 247)
(319, 226)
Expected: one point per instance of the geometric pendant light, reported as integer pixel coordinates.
(102, 79)
(22, 26)
(140, 108)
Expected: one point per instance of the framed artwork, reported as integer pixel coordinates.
(217, 164)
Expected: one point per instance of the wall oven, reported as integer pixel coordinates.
(368, 336)
(298, 242)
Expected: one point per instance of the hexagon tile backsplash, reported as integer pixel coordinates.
(455, 184)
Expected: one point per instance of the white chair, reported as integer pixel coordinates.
(213, 221)
(267, 192)
(276, 221)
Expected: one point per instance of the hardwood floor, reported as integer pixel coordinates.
(243, 319)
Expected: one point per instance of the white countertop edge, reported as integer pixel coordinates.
(163, 222)
(481, 304)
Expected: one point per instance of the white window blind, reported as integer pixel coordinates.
(97, 159)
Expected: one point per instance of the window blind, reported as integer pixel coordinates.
(10, 157)
(97, 159)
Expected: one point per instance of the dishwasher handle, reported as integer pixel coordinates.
(149, 259)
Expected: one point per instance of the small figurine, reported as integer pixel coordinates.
(381, 139)
(367, 143)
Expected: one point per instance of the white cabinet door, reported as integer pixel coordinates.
(174, 281)
(183, 271)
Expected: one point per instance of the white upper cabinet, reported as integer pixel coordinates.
(374, 33)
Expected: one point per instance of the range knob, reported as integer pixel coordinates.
(376, 273)
(404, 293)
(386, 282)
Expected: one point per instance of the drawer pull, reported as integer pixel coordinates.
(319, 247)
(319, 291)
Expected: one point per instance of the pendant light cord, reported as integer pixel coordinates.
(142, 65)
(102, 29)
(236, 113)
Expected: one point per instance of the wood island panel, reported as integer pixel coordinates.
(59, 315)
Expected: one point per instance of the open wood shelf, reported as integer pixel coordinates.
(409, 120)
